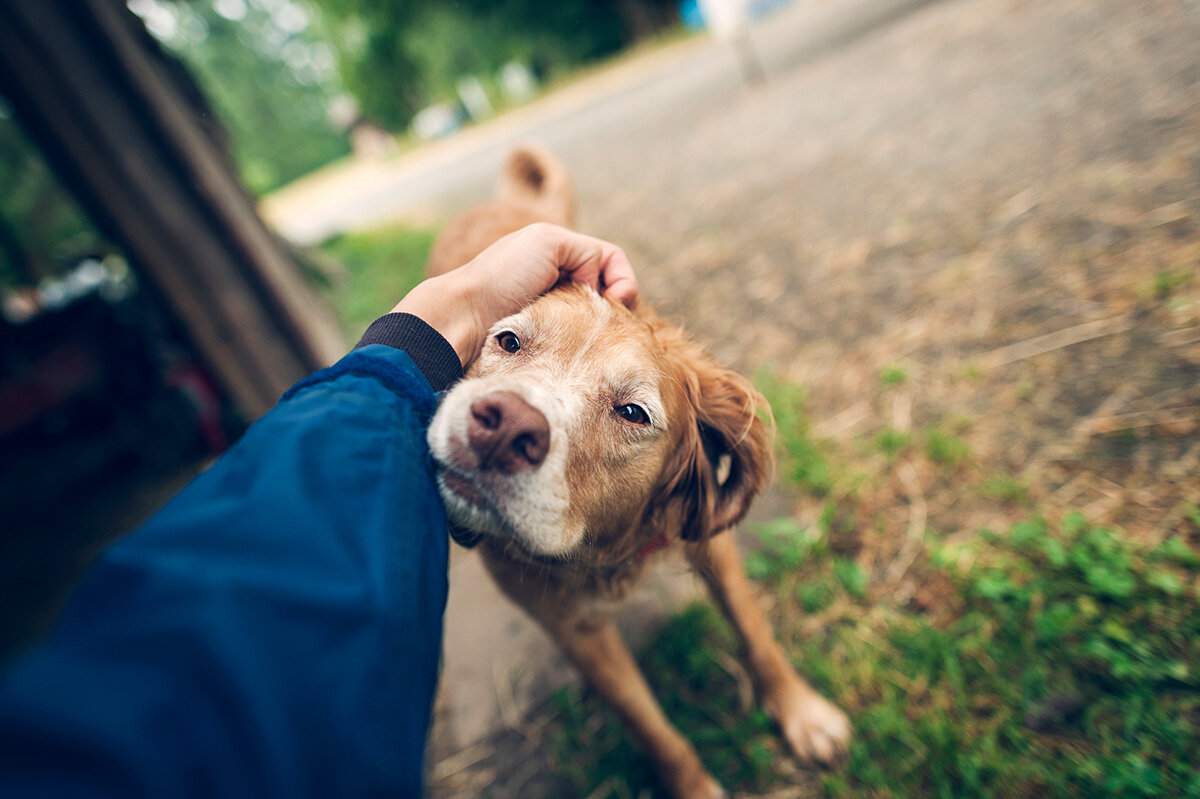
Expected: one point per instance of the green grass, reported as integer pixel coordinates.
(699, 696)
(891, 442)
(380, 266)
(804, 459)
(1167, 281)
(1005, 489)
(1069, 667)
(1051, 659)
(946, 448)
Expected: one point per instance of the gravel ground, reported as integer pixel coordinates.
(978, 175)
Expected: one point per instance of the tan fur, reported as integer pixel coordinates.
(612, 488)
(533, 187)
(533, 177)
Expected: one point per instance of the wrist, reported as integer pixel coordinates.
(446, 303)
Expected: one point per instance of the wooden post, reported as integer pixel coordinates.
(130, 140)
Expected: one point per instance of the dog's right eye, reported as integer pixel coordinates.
(508, 341)
(633, 414)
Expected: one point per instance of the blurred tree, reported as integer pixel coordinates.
(373, 57)
(397, 56)
(128, 134)
(263, 66)
(271, 67)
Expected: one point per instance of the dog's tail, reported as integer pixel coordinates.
(532, 176)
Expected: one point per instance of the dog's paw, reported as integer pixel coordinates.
(817, 730)
(698, 785)
(685, 777)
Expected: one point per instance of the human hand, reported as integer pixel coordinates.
(464, 303)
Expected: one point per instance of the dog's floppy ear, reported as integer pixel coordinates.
(724, 453)
(733, 448)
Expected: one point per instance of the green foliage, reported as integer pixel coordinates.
(970, 371)
(851, 576)
(1174, 550)
(381, 266)
(270, 80)
(397, 56)
(374, 61)
(804, 462)
(1068, 668)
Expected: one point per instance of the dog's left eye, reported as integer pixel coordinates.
(633, 414)
(508, 341)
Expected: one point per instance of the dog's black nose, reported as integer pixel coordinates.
(507, 433)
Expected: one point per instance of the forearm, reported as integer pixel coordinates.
(274, 631)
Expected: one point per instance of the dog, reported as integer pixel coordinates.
(586, 439)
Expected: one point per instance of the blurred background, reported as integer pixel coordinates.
(955, 243)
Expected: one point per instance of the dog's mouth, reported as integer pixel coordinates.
(458, 490)
(464, 487)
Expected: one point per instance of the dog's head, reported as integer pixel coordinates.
(586, 428)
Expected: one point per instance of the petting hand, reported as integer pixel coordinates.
(463, 304)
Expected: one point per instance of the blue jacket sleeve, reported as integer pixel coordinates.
(274, 631)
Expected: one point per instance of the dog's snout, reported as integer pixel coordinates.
(507, 433)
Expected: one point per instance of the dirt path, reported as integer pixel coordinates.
(1000, 197)
(678, 85)
(984, 173)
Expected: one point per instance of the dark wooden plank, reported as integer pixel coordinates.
(92, 88)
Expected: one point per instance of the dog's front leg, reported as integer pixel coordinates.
(598, 651)
(815, 729)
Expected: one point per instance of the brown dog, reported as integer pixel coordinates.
(584, 439)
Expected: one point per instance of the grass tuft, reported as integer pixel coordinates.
(946, 448)
(893, 376)
(804, 459)
(891, 442)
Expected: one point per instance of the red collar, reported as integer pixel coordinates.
(655, 544)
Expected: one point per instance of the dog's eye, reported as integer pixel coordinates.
(508, 341)
(633, 414)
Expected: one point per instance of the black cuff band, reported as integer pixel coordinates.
(432, 354)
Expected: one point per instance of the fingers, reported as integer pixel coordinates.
(620, 283)
(596, 262)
